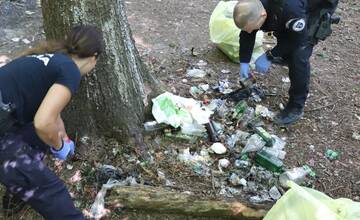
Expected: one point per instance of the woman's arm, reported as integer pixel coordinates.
(61, 126)
(47, 121)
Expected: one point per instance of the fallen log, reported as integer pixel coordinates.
(160, 200)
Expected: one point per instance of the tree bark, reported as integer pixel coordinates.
(162, 201)
(112, 99)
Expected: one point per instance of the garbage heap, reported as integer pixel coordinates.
(241, 156)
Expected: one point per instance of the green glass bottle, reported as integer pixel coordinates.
(265, 136)
(240, 109)
(268, 161)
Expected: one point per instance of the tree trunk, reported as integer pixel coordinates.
(112, 99)
(162, 201)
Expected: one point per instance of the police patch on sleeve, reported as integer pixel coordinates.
(299, 25)
(296, 24)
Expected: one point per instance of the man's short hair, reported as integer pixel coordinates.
(246, 11)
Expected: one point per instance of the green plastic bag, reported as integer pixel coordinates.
(301, 203)
(225, 34)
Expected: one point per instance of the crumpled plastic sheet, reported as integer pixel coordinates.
(98, 209)
(181, 112)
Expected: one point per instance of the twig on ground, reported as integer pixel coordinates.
(213, 182)
(321, 107)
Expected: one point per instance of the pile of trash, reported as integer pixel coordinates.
(242, 157)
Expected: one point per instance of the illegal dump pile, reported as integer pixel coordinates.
(230, 142)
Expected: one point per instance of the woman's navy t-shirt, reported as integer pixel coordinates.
(25, 81)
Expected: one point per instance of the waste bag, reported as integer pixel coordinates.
(177, 111)
(225, 34)
(301, 203)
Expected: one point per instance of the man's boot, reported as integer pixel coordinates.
(12, 204)
(288, 116)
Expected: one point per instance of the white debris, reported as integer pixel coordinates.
(15, 39)
(224, 163)
(218, 148)
(196, 73)
(264, 112)
(274, 193)
(201, 63)
(204, 87)
(225, 71)
(285, 79)
(29, 12)
(26, 41)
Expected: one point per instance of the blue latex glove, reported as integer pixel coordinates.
(68, 147)
(244, 71)
(262, 64)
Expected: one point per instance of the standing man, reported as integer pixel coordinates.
(289, 20)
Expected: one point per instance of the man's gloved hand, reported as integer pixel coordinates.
(262, 64)
(68, 147)
(244, 71)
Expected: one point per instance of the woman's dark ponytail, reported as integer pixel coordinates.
(83, 41)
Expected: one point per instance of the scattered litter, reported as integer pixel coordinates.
(204, 87)
(181, 137)
(26, 41)
(281, 106)
(356, 136)
(161, 175)
(195, 91)
(235, 180)
(278, 142)
(218, 148)
(269, 141)
(154, 126)
(239, 136)
(199, 163)
(312, 147)
(106, 172)
(274, 193)
(268, 161)
(330, 154)
(201, 63)
(264, 112)
(242, 163)
(254, 143)
(196, 73)
(213, 134)
(285, 79)
(226, 71)
(29, 12)
(223, 163)
(15, 39)
(275, 152)
(215, 104)
(69, 167)
(98, 210)
(296, 175)
(180, 112)
(239, 109)
(184, 80)
(311, 173)
(223, 87)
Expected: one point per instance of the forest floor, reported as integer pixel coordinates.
(167, 33)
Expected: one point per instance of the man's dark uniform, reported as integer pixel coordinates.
(289, 24)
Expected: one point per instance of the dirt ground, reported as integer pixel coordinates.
(166, 31)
